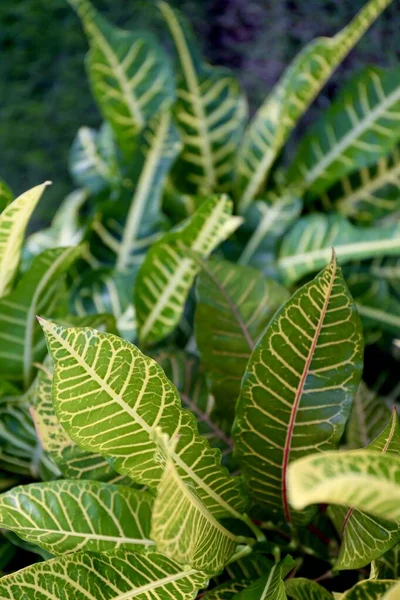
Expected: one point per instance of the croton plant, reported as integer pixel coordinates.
(205, 405)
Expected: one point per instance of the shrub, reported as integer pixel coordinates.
(160, 441)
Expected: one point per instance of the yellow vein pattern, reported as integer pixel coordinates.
(359, 128)
(68, 516)
(301, 82)
(128, 396)
(116, 575)
(370, 590)
(210, 111)
(182, 527)
(130, 74)
(298, 388)
(300, 588)
(308, 244)
(41, 290)
(168, 272)
(13, 222)
(368, 418)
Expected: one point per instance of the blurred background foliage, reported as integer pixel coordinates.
(45, 97)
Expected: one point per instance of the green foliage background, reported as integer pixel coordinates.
(44, 94)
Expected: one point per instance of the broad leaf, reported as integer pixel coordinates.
(234, 305)
(168, 272)
(388, 565)
(130, 75)
(360, 127)
(68, 516)
(290, 98)
(128, 395)
(363, 537)
(368, 418)
(369, 590)
(298, 388)
(300, 588)
(210, 111)
(308, 245)
(13, 222)
(226, 591)
(182, 527)
(115, 575)
(40, 291)
(365, 479)
(269, 587)
(393, 593)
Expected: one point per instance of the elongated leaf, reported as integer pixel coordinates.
(268, 587)
(368, 418)
(210, 111)
(130, 74)
(93, 161)
(369, 590)
(234, 306)
(13, 222)
(128, 396)
(387, 317)
(115, 575)
(68, 516)
(364, 479)
(363, 537)
(226, 591)
(393, 592)
(168, 272)
(182, 527)
(300, 588)
(308, 245)
(73, 461)
(361, 126)
(370, 194)
(290, 98)
(40, 290)
(298, 387)
(6, 195)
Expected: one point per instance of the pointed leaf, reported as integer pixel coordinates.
(130, 74)
(290, 98)
(234, 306)
(308, 245)
(67, 516)
(298, 387)
(368, 418)
(128, 396)
(115, 575)
(387, 566)
(40, 291)
(13, 222)
(268, 587)
(300, 588)
(168, 272)
(369, 590)
(226, 591)
(210, 111)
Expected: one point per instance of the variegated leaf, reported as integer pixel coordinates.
(387, 566)
(301, 82)
(69, 516)
(116, 575)
(369, 590)
(298, 388)
(168, 271)
(226, 591)
(13, 222)
(210, 111)
(128, 395)
(308, 245)
(234, 306)
(130, 75)
(368, 418)
(300, 588)
(269, 587)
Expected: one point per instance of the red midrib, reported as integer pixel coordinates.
(292, 421)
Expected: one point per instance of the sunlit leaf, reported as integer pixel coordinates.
(269, 587)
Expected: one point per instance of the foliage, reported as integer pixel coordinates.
(174, 424)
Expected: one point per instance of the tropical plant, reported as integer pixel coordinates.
(180, 425)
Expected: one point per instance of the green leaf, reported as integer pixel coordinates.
(369, 590)
(210, 110)
(6, 195)
(387, 566)
(364, 479)
(68, 516)
(168, 272)
(130, 75)
(300, 588)
(234, 306)
(13, 222)
(182, 527)
(371, 193)
(93, 160)
(115, 575)
(368, 418)
(268, 587)
(41, 290)
(298, 387)
(226, 591)
(290, 98)
(128, 395)
(360, 127)
(392, 593)
(308, 245)
(363, 537)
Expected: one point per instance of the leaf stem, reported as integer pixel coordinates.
(259, 535)
(241, 553)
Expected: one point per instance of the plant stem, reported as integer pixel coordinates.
(259, 535)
